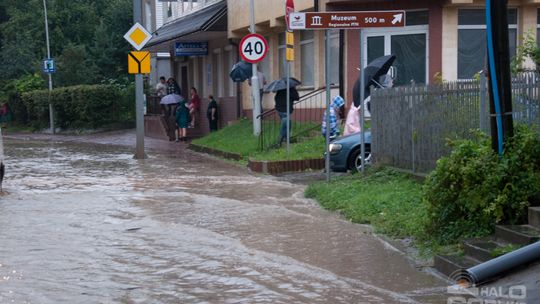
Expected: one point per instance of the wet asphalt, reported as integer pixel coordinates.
(81, 221)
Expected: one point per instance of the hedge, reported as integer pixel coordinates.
(77, 107)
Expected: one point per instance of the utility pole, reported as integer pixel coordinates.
(51, 114)
(255, 83)
(139, 115)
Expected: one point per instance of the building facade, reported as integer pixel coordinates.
(193, 43)
(441, 39)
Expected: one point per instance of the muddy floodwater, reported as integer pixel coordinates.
(86, 223)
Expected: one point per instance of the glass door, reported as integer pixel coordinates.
(410, 45)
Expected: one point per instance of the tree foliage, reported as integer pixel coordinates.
(85, 36)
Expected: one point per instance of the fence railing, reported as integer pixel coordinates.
(152, 105)
(410, 125)
(305, 118)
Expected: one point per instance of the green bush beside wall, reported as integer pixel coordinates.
(77, 107)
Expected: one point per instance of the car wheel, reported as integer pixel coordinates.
(355, 161)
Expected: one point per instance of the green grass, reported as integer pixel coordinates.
(309, 148)
(384, 198)
(238, 138)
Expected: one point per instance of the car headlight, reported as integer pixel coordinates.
(334, 148)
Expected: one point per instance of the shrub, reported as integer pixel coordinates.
(473, 188)
(83, 106)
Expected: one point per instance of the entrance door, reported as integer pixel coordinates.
(410, 45)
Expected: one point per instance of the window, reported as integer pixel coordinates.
(228, 87)
(215, 73)
(538, 26)
(281, 56)
(307, 57)
(264, 65)
(169, 9)
(200, 75)
(334, 57)
(472, 40)
(417, 18)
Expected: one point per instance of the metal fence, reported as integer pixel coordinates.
(411, 125)
(152, 105)
(306, 118)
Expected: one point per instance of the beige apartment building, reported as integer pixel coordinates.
(441, 37)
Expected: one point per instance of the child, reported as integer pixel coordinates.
(336, 104)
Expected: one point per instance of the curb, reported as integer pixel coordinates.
(227, 155)
(277, 167)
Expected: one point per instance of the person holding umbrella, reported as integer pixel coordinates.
(280, 87)
(168, 104)
(374, 74)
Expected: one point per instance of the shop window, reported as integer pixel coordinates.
(472, 40)
(307, 57)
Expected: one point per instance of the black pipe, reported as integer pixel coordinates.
(484, 272)
(499, 73)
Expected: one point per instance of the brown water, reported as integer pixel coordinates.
(84, 223)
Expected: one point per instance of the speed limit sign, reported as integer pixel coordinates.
(253, 48)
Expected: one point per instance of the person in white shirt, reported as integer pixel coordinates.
(161, 87)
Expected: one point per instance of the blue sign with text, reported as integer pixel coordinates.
(49, 66)
(191, 48)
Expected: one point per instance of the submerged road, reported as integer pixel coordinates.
(86, 223)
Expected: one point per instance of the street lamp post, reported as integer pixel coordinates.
(51, 114)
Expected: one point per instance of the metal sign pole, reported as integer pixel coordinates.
(139, 98)
(255, 83)
(288, 107)
(362, 107)
(51, 114)
(327, 77)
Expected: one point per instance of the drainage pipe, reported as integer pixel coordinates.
(481, 273)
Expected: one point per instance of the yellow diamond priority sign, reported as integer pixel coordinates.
(138, 36)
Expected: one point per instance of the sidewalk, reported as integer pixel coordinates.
(126, 138)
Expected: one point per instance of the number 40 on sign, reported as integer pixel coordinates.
(253, 48)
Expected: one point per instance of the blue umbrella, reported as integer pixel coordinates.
(241, 71)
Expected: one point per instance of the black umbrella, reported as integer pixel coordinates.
(241, 71)
(372, 72)
(281, 84)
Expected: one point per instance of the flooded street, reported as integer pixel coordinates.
(86, 223)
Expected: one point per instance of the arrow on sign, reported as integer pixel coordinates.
(397, 18)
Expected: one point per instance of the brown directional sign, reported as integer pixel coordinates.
(346, 20)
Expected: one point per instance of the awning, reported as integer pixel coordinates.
(208, 20)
